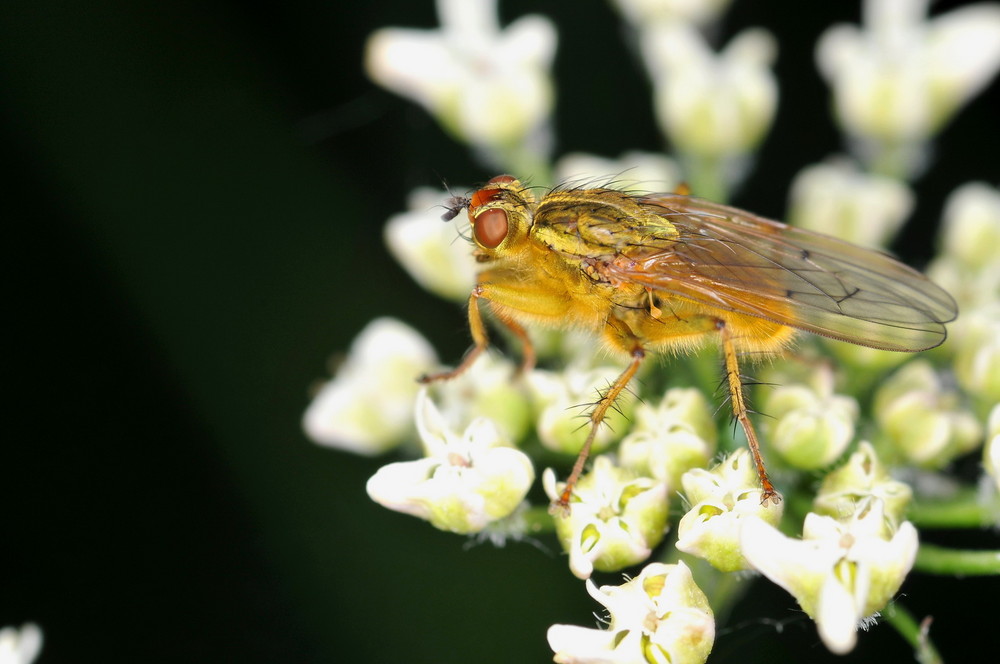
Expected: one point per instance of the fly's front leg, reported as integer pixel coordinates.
(742, 413)
(479, 338)
(622, 337)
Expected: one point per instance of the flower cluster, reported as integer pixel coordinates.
(895, 82)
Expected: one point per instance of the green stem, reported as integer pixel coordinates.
(964, 510)
(706, 178)
(940, 560)
(916, 634)
(537, 520)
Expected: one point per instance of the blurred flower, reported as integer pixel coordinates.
(465, 482)
(864, 358)
(434, 253)
(969, 268)
(644, 171)
(714, 108)
(836, 198)
(971, 226)
(898, 80)
(923, 420)
(860, 479)
(840, 571)
(487, 86)
(977, 353)
(20, 646)
(670, 438)
(644, 12)
(659, 616)
(562, 425)
(615, 518)
(368, 407)
(991, 455)
(809, 425)
(721, 500)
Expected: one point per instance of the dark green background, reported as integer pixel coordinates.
(193, 208)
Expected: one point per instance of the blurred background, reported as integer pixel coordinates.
(194, 200)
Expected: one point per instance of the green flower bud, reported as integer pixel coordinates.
(558, 396)
(487, 389)
(809, 428)
(922, 420)
(671, 438)
(861, 478)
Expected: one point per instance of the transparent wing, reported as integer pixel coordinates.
(734, 260)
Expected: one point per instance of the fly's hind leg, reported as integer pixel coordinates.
(622, 337)
(742, 413)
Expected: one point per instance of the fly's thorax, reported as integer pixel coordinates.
(596, 223)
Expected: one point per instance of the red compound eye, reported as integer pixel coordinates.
(490, 228)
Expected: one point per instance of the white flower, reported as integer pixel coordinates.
(840, 571)
(615, 518)
(659, 616)
(898, 80)
(721, 500)
(561, 421)
(489, 87)
(698, 12)
(645, 171)
(465, 482)
(20, 646)
(434, 253)
(709, 105)
(368, 407)
(837, 198)
(670, 438)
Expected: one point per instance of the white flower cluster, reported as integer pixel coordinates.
(895, 81)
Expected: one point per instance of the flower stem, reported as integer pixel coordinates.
(537, 520)
(941, 560)
(964, 510)
(916, 634)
